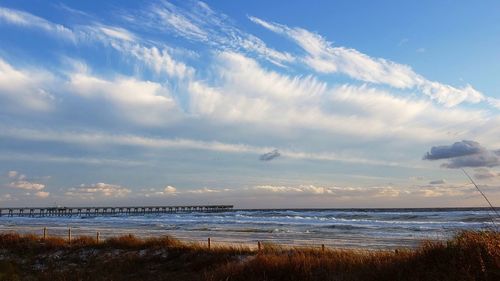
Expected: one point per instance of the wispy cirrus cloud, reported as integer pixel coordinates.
(196, 21)
(105, 139)
(323, 57)
(24, 19)
(116, 37)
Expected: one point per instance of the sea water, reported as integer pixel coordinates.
(340, 228)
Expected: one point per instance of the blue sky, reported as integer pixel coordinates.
(257, 104)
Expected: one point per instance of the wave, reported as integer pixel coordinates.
(345, 227)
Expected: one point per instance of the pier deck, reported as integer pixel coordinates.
(107, 211)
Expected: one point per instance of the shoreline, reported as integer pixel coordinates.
(220, 237)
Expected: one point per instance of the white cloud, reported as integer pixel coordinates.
(170, 16)
(206, 190)
(196, 21)
(20, 181)
(25, 89)
(170, 189)
(442, 192)
(118, 33)
(185, 193)
(160, 60)
(7, 197)
(445, 190)
(280, 101)
(22, 184)
(142, 102)
(24, 19)
(486, 174)
(113, 36)
(97, 190)
(494, 102)
(42, 194)
(98, 138)
(323, 57)
(50, 158)
(311, 189)
(166, 191)
(333, 191)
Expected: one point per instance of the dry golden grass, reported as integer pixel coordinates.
(468, 256)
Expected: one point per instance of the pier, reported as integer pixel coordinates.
(108, 211)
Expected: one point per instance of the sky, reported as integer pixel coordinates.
(259, 104)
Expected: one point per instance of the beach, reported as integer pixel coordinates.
(339, 228)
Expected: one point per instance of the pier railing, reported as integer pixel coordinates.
(106, 211)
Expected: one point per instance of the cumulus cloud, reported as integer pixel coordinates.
(334, 191)
(173, 191)
(270, 155)
(97, 190)
(206, 190)
(485, 159)
(12, 174)
(166, 191)
(42, 194)
(7, 197)
(462, 148)
(464, 154)
(442, 190)
(305, 189)
(441, 181)
(21, 182)
(485, 174)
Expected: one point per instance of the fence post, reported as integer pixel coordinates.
(323, 248)
(44, 233)
(97, 237)
(209, 242)
(259, 246)
(69, 235)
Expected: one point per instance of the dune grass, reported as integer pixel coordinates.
(471, 255)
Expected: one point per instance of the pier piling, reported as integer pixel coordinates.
(110, 211)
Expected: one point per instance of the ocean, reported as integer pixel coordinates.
(340, 228)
